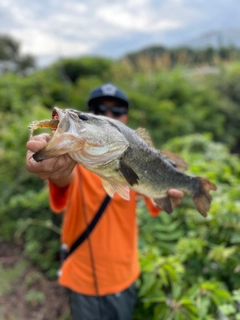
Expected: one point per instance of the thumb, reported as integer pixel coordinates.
(38, 142)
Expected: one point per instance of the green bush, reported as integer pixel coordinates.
(190, 264)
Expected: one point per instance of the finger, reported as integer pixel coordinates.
(176, 202)
(64, 171)
(53, 168)
(174, 193)
(64, 165)
(38, 142)
(39, 167)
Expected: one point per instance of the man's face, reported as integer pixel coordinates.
(113, 109)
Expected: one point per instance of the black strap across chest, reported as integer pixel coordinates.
(83, 236)
(91, 226)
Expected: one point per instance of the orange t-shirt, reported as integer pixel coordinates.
(113, 240)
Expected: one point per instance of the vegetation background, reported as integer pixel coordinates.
(189, 102)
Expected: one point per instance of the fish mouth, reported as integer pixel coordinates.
(58, 114)
(55, 114)
(62, 121)
(68, 121)
(66, 129)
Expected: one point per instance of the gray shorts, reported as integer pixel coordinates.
(118, 306)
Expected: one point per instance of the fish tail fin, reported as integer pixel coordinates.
(164, 204)
(202, 198)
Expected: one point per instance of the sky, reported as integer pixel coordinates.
(53, 29)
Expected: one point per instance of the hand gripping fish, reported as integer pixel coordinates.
(122, 157)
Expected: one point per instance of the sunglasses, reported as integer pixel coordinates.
(117, 111)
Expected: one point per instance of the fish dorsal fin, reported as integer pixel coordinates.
(111, 186)
(175, 160)
(144, 134)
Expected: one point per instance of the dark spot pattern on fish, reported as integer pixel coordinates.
(128, 173)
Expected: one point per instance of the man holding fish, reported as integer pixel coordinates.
(99, 233)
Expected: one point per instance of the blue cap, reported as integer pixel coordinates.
(107, 90)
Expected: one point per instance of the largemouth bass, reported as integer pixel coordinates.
(122, 157)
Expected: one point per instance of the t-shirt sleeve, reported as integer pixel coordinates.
(57, 197)
(153, 210)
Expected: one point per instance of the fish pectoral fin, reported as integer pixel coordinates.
(175, 160)
(111, 186)
(108, 187)
(165, 204)
(128, 173)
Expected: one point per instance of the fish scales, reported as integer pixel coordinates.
(155, 172)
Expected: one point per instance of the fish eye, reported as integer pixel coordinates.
(83, 117)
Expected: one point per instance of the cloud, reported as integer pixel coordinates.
(135, 17)
(59, 28)
(78, 27)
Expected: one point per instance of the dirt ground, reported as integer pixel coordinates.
(25, 292)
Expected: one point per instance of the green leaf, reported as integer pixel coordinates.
(161, 311)
(236, 295)
(222, 294)
(227, 309)
(148, 280)
(203, 305)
